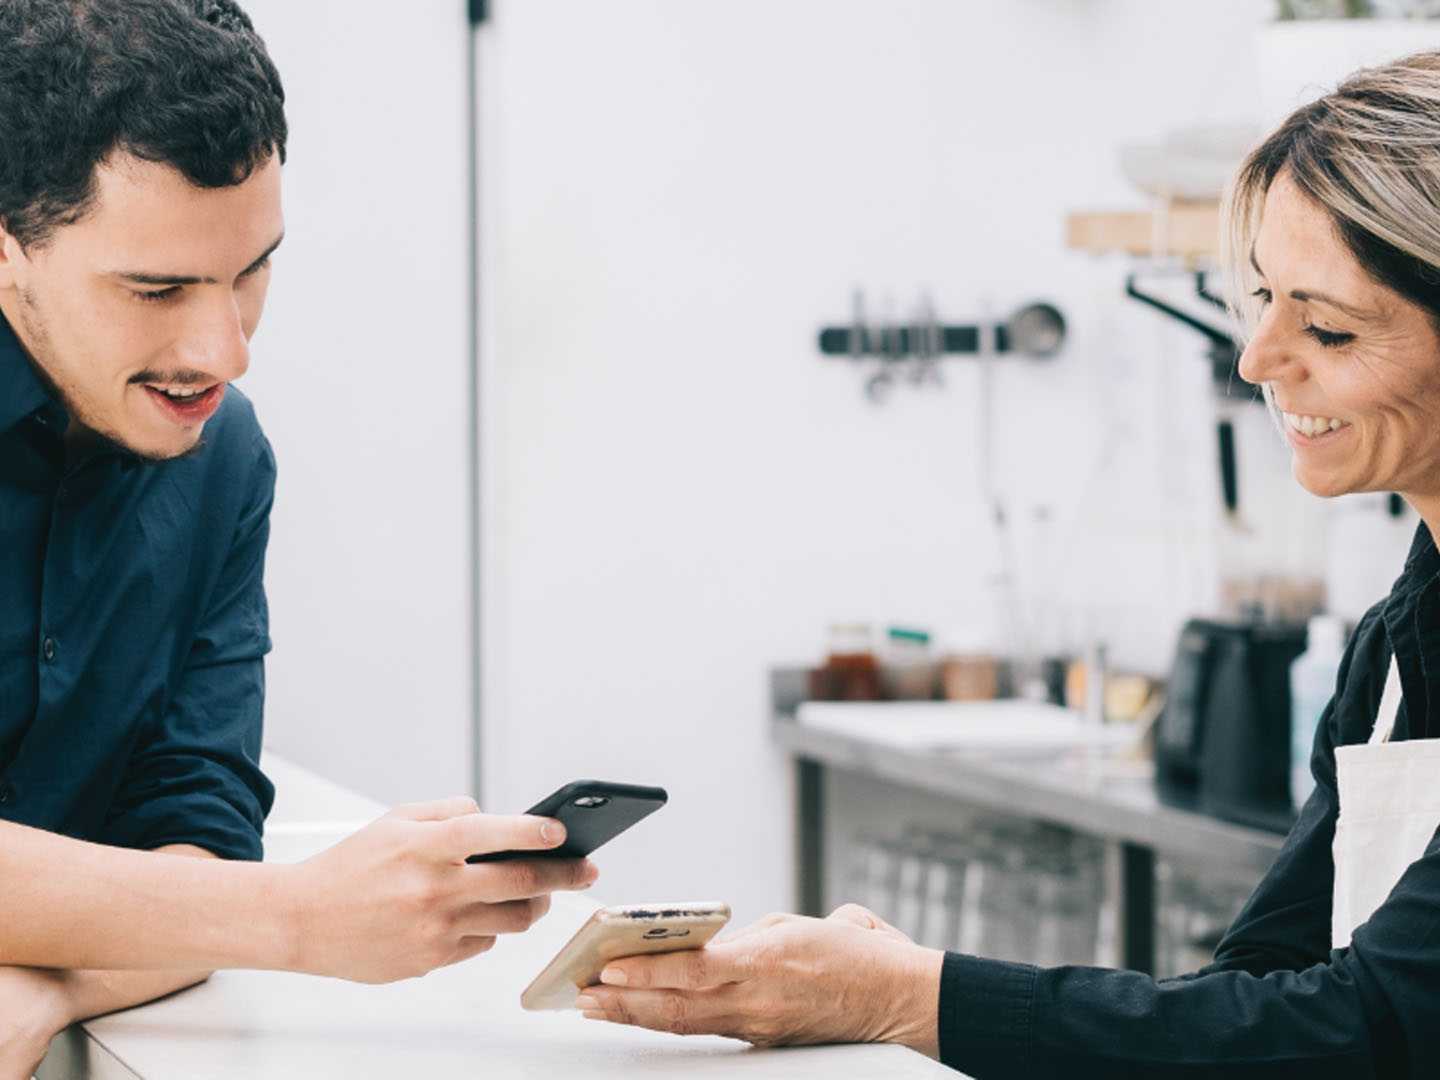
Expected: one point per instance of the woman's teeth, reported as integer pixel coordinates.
(1313, 425)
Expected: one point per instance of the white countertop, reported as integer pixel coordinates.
(461, 1021)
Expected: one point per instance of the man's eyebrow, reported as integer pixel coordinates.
(1321, 298)
(140, 277)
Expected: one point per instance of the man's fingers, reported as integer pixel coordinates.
(482, 834)
(689, 969)
(470, 947)
(439, 810)
(509, 917)
(516, 879)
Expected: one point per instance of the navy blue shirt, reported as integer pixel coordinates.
(1278, 1001)
(133, 628)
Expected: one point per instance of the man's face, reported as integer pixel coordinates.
(141, 312)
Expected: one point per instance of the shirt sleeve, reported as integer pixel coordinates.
(1277, 1002)
(1285, 924)
(1367, 1011)
(195, 776)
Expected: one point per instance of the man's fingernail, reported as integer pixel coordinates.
(613, 976)
(585, 1001)
(553, 831)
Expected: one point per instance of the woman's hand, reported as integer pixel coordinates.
(34, 1008)
(784, 980)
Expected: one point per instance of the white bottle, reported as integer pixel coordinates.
(1312, 684)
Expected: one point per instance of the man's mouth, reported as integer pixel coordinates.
(179, 393)
(186, 405)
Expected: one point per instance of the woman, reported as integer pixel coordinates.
(1333, 967)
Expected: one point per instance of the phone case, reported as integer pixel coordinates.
(593, 811)
(621, 931)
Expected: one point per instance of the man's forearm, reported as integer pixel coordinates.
(73, 905)
(94, 993)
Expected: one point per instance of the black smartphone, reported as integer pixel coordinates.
(592, 811)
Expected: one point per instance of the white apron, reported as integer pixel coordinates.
(1389, 810)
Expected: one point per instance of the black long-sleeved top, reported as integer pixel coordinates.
(133, 627)
(1277, 1001)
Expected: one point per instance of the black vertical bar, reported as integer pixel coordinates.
(1229, 483)
(479, 12)
(809, 836)
(1137, 908)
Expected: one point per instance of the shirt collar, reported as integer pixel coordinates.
(21, 391)
(1423, 562)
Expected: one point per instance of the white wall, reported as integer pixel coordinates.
(681, 493)
(678, 492)
(359, 374)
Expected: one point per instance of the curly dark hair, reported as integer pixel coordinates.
(185, 83)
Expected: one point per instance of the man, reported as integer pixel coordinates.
(140, 151)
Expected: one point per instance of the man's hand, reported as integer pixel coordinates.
(784, 980)
(36, 1004)
(397, 898)
(34, 1008)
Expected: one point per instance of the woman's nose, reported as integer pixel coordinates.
(1267, 358)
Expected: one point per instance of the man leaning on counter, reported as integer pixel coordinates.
(141, 144)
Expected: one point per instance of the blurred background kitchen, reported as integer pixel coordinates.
(640, 370)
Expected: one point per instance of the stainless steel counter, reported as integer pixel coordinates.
(1073, 788)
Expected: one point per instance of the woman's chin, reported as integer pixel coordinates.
(1324, 483)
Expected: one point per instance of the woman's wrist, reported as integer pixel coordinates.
(916, 992)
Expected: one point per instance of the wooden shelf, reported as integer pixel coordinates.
(1187, 229)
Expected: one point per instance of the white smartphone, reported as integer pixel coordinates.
(621, 931)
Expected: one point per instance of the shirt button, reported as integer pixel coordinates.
(5, 792)
(48, 649)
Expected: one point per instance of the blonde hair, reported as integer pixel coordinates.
(1369, 154)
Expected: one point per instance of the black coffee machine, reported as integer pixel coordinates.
(1222, 743)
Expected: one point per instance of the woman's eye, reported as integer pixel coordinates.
(1329, 338)
(1262, 294)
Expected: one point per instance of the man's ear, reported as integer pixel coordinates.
(10, 254)
(12, 259)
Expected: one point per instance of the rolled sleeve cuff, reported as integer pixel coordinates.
(985, 1008)
(206, 822)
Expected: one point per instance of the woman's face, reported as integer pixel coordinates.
(1354, 366)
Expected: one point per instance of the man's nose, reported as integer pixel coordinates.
(215, 343)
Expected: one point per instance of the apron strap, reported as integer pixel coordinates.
(1389, 706)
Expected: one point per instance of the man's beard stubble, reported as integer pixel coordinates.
(34, 338)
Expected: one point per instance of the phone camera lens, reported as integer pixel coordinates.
(590, 802)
